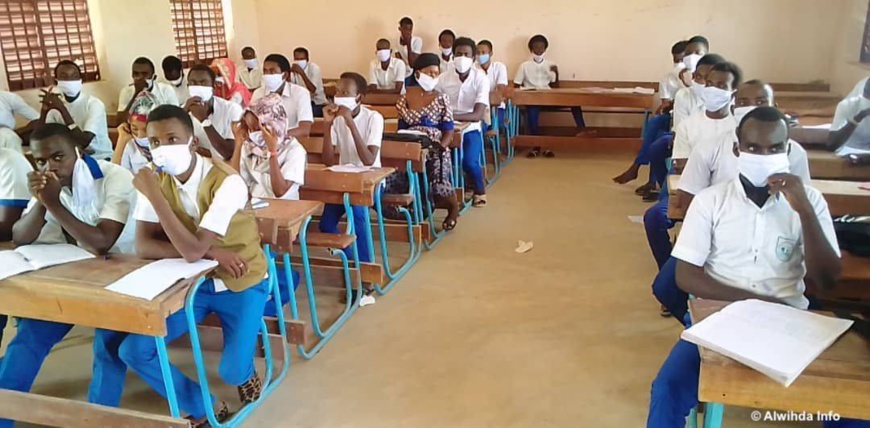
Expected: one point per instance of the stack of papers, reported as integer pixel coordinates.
(777, 340)
(350, 168)
(257, 203)
(150, 280)
(29, 258)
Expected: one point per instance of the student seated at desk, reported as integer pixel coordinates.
(423, 109)
(386, 73)
(213, 116)
(85, 115)
(12, 105)
(495, 71)
(173, 72)
(850, 130)
(14, 195)
(144, 79)
(249, 69)
(356, 132)
(768, 220)
(410, 46)
(133, 149)
(539, 73)
(227, 84)
(445, 43)
(297, 100)
(307, 74)
(468, 91)
(193, 209)
(76, 199)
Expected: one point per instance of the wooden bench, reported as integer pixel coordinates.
(826, 165)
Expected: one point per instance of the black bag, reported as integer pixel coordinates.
(422, 140)
(853, 236)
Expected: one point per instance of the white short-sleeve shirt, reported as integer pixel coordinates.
(464, 95)
(312, 70)
(163, 92)
(671, 83)
(224, 113)
(686, 103)
(534, 75)
(255, 171)
(252, 79)
(370, 125)
(700, 129)
(387, 79)
(297, 103)
(132, 159)
(416, 47)
(847, 109)
(714, 162)
(756, 249)
(9, 139)
(445, 63)
(14, 189)
(11, 105)
(497, 75)
(181, 91)
(89, 113)
(114, 198)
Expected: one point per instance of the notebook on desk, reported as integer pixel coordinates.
(776, 340)
(151, 280)
(29, 258)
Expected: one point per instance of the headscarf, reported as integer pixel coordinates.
(271, 113)
(232, 84)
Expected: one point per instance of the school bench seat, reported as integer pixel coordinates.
(330, 240)
(397, 200)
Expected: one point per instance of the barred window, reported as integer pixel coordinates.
(199, 30)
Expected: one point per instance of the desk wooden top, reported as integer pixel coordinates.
(279, 223)
(75, 293)
(838, 381)
(329, 187)
(828, 166)
(572, 97)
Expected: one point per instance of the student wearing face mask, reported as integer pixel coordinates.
(307, 74)
(249, 69)
(144, 79)
(133, 150)
(213, 116)
(173, 72)
(445, 43)
(540, 73)
(695, 49)
(410, 46)
(850, 130)
(227, 83)
(386, 73)
(766, 218)
(495, 71)
(468, 91)
(83, 114)
(296, 99)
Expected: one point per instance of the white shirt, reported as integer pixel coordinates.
(714, 162)
(847, 109)
(671, 83)
(163, 92)
(255, 171)
(464, 95)
(252, 79)
(700, 129)
(312, 70)
(533, 75)
(686, 103)
(370, 125)
(11, 105)
(132, 159)
(497, 75)
(114, 197)
(297, 103)
(222, 117)
(14, 189)
(387, 79)
(416, 47)
(89, 113)
(859, 88)
(9, 139)
(743, 246)
(181, 91)
(445, 63)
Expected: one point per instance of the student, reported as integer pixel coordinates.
(173, 72)
(307, 74)
(468, 90)
(194, 209)
(386, 73)
(214, 116)
(671, 83)
(496, 72)
(133, 149)
(144, 79)
(850, 131)
(75, 198)
(696, 48)
(14, 195)
(227, 84)
(410, 46)
(297, 100)
(83, 114)
(539, 73)
(766, 218)
(249, 69)
(445, 42)
(355, 132)
(687, 101)
(12, 105)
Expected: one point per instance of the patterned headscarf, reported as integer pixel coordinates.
(232, 84)
(142, 106)
(271, 113)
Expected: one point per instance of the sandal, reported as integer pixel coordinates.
(449, 224)
(222, 414)
(534, 153)
(640, 191)
(250, 391)
(549, 154)
(478, 201)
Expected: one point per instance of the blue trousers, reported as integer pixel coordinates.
(240, 315)
(316, 110)
(3, 320)
(656, 223)
(332, 214)
(472, 146)
(284, 289)
(500, 115)
(533, 114)
(665, 289)
(657, 155)
(655, 127)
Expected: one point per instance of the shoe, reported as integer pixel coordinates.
(534, 153)
(478, 201)
(651, 195)
(549, 154)
(640, 191)
(250, 391)
(665, 313)
(222, 414)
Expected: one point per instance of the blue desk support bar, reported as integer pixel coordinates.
(414, 253)
(459, 176)
(163, 357)
(433, 231)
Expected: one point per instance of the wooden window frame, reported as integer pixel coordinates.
(199, 31)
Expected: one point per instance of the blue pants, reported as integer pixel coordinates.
(3, 320)
(284, 289)
(472, 146)
(534, 112)
(665, 289)
(240, 315)
(500, 115)
(656, 223)
(332, 214)
(316, 110)
(657, 155)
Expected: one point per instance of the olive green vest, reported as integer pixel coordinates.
(242, 237)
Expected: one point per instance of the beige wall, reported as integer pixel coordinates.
(847, 70)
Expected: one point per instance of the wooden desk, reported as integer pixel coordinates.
(827, 166)
(326, 186)
(569, 97)
(380, 99)
(279, 223)
(838, 381)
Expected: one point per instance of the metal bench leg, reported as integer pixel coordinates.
(171, 395)
(713, 415)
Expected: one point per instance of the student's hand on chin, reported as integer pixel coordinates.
(329, 112)
(145, 181)
(345, 113)
(792, 188)
(50, 192)
(198, 109)
(35, 182)
(270, 138)
(240, 132)
(139, 86)
(295, 68)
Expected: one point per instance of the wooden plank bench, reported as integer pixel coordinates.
(826, 165)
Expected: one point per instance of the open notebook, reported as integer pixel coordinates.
(777, 340)
(28, 258)
(150, 280)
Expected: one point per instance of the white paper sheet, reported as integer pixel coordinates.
(154, 278)
(12, 263)
(43, 256)
(350, 168)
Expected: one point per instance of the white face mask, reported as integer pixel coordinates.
(427, 82)
(70, 88)
(173, 159)
(273, 81)
(257, 138)
(177, 82)
(741, 112)
(143, 142)
(715, 99)
(538, 58)
(697, 88)
(302, 63)
(691, 61)
(462, 64)
(84, 191)
(203, 92)
(383, 55)
(446, 51)
(252, 64)
(757, 168)
(349, 102)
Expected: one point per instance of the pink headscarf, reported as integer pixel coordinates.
(271, 113)
(231, 85)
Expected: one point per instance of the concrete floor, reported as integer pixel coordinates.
(567, 335)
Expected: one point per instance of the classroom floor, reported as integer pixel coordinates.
(476, 335)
